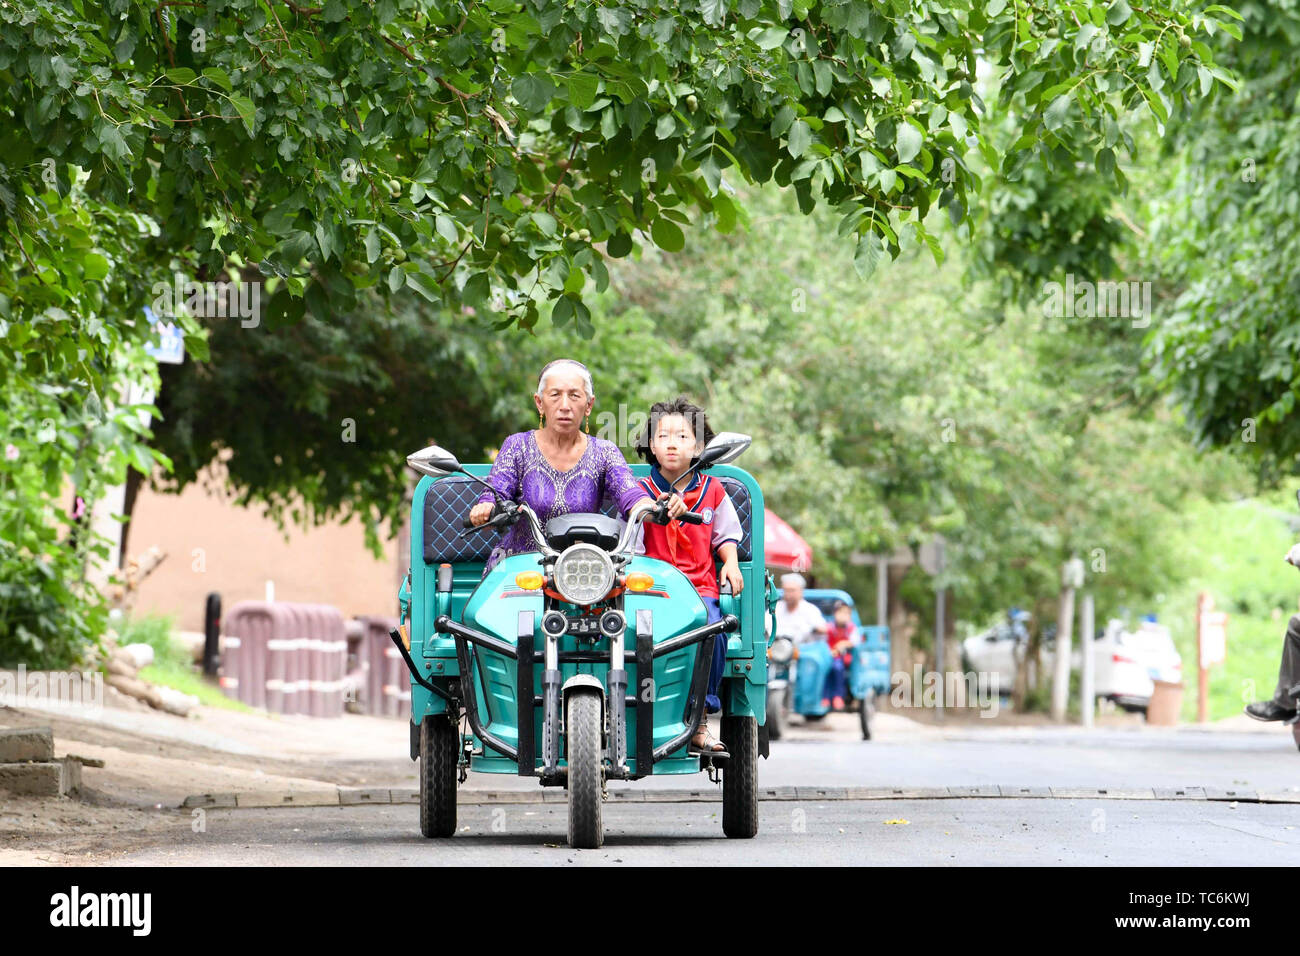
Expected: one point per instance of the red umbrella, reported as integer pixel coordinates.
(782, 546)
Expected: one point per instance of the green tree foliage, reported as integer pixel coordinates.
(468, 150)
(924, 407)
(491, 157)
(67, 430)
(1224, 238)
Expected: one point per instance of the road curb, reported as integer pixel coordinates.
(352, 796)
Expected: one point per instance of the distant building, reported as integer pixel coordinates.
(212, 544)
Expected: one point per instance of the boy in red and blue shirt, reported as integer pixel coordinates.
(673, 440)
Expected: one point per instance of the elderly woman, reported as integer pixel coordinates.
(559, 469)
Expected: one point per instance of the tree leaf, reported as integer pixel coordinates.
(867, 256)
(800, 138)
(244, 107)
(1054, 115)
(908, 140)
(667, 235)
(582, 89)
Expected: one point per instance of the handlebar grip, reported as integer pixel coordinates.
(466, 523)
(690, 517)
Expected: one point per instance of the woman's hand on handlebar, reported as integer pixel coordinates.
(480, 513)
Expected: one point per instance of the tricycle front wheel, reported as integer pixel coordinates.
(582, 734)
(439, 750)
(740, 777)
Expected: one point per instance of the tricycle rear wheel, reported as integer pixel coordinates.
(439, 746)
(740, 777)
(582, 735)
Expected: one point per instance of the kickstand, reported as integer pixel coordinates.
(462, 762)
(714, 772)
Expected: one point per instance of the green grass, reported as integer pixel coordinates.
(1234, 551)
(156, 631)
(172, 666)
(187, 679)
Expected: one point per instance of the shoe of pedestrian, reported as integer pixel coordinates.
(1268, 710)
(826, 702)
(838, 703)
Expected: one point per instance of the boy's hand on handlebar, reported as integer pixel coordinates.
(731, 574)
(480, 513)
(676, 506)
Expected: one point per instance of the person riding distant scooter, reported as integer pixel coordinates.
(801, 621)
(795, 617)
(1282, 705)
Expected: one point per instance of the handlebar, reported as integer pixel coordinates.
(500, 518)
(659, 515)
(641, 511)
(507, 513)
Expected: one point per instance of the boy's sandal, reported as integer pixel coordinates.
(711, 745)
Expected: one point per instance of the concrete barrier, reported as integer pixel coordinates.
(285, 657)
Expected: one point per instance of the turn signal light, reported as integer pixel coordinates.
(639, 581)
(530, 580)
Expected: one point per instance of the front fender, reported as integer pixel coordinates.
(582, 682)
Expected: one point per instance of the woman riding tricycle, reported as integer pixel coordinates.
(560, 653)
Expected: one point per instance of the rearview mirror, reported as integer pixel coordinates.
(725, 448)
(433, 461)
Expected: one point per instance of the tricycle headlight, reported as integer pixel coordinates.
(583, 574)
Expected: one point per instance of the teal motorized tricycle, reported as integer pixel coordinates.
(579, 662)
(866, 675)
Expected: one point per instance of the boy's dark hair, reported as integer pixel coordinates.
(693, 414)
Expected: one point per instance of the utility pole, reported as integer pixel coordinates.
(1071, 579)
(882, 590)
(1087, 684)
(939, 560)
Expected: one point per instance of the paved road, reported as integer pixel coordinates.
(1044, 757)
(1006, 831)
(936, 833)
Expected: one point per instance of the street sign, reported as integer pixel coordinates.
(1214, 637)
(931, 555)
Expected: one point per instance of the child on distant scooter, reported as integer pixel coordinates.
(841, 635)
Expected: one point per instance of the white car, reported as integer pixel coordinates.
(1125, 663)
(994, 652)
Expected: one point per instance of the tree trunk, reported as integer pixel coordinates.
(1020, 653)
(900, 632)
(1061, 670)
(133, 482)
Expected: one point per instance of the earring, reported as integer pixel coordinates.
(541, 421)
(588, 423)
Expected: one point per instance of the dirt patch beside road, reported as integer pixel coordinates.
(153, 761)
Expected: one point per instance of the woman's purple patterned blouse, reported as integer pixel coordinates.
(522, 473)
